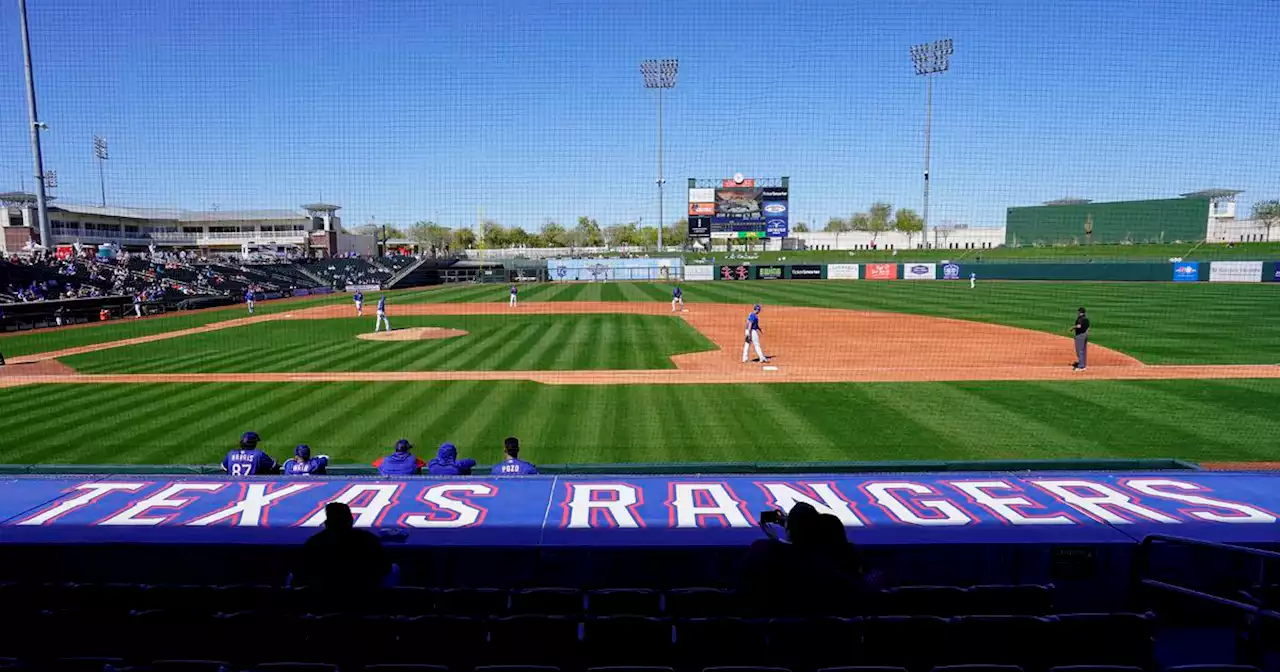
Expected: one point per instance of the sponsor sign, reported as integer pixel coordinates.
(774, 209)
(301, 292)
(1235, 271)
(358, 288)
(1186, 271)
(716, 511)
(702, 195)
(919, 271)
(773, 194)
(768, 272)
(699, 227)
(601, 270)
(702, 208)
(740, 235)
(739, 272)
(1275, 275)
(950, 271)
(776, 228)
(321, 290)
(745, 182)
(882, 271)
(842, 271)
(699, 273)
(808, 272)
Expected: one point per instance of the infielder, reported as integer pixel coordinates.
(248, 299)
(677, 298)
(514, 292)
(753, 336)
(973, 277)
(382, 314)
(359, 299)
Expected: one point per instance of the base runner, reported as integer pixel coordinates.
(677, 299)
(753, 336)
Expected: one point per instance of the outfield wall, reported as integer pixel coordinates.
(1187, 271)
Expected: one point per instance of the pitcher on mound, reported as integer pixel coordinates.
(753, 336)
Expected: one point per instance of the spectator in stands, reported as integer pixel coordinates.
(511, 464)
(247, 460)
(302, 464)
(446, 463)
(340, 557)
(797, 572)
(400, 463)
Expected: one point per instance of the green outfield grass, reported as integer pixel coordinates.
(492, 343)
(1060, 254)
(1200, 420)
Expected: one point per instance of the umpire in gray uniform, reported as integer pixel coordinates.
(1081, 331)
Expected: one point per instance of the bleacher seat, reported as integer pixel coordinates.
(922, 601)
(901, 640)
(700, 642)
(517, 668)
(977, 668)
(1211, 668)
(532, 639)
(624, 601)
(564, 601)
(627, 640)
(700, 603)
(472, 601)
(405, 667)
(189, 666)
(295, 667)
(1024, 600)
(815, 643)
(1000, 640)
(1103, 639)
(1095, 668)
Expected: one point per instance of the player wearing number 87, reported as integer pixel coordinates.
(247, 460)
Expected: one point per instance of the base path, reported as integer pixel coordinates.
(804, 344)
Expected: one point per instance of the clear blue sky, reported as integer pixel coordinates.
(533, 109)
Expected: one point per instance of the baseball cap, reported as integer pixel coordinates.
(249, 439)
(303, 451)
(757, 307)
(403, 446)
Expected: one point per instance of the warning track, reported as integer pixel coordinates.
(805, 345)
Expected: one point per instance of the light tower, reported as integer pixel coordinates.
(929, 59)
(100, 153)
(659, 74)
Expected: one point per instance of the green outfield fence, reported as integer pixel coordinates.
(1241, 270)
(660, 469)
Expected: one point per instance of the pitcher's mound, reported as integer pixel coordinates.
(413, 334)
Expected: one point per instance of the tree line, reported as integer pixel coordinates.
(435, 238)
(879, 219)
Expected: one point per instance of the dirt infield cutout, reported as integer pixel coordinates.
(413, 334)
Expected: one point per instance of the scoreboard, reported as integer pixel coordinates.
(739, 207)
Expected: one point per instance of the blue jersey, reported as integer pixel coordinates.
(514, 467)
(296, 467)
(675, 293)
(382, 305)
(753, 322)
(248, 296)
(359, 297)
(247, 462)
(513, 289)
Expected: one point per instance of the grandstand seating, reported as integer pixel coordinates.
(343, 271)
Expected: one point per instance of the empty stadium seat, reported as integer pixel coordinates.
(977, 668)
(1103, 639)
(189, 666)
(563, 601)
(700, 603)
(1024, 600)
(922, 601)
(1211, 668)
(1095, 668)
(701, 642)
(999, 640)
(532, 639)
(914, 642)
(405, 667)
(627, 640)
(624, 601)
(295, 667)
(815, 643)
(472, 602)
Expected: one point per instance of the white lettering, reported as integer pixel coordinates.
(689, 512)
(1005, 507)
(1249, 514)
(465, 514)
(165, 499)
(383, 496)
(828, 501)
(250, 509)
(1102, 504)
(882, 493)
(584, 501)
(92, 493)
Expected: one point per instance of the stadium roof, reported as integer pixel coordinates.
(180, 215)
(1069, 201)
(321, 207)
(1212, 193)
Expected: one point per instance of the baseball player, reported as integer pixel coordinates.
(973, 278)
(247, 460)
(137, 306)
(303, 464)
(753, 336)
(382, 314)
(248, 299)
(359, 299)
(514, 292)
(677, 298)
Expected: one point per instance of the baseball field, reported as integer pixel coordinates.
(606, 373)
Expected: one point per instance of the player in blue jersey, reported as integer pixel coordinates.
(302, 464)
(248, 299)
(677, 298)
(511, 464)
(359, 298)
(446, 462)
(247, 460)
(753, 336)
(514, 293)
(400, 463)
(382, 314)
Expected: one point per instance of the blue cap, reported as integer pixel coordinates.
(303, 451)
(249, 439)
(403, 446)
(757, 307)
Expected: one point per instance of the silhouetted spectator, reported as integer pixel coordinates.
(400, 463)
(446, 463)
(795, 573)
(342, 557)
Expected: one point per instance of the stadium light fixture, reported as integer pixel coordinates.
(42, 202)
(929, 59)
(659, 74)
(100, 153)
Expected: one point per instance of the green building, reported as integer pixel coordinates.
(1081, 222)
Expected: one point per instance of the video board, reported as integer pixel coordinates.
(739, 208)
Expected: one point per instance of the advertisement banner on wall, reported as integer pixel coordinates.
(806, 272)
(1186, 271)
(919, 271)
(1275, 274)
(702, 195)
(776, 228)
(882, 271)
(1235, 271)
(950, 271)
(739, 272)
(604, 270)
(707, 209)
(768, 272)
(842, 271)
(358, 288)
(699, 273)
(699, 227)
